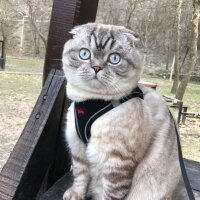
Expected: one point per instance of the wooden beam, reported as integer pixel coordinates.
(88, 11)
(23, 174)
(65, 15)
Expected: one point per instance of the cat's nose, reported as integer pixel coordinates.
(96, 68)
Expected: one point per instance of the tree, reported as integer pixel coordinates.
(177, 48)
(35, 9)
(192, 51)
(129, 11)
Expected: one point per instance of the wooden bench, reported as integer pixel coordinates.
(189, 115)
(39, 165)
(175, 103)
(182, 109)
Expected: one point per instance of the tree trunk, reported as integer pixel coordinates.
(176, 66)
(32, 22)
(42, 37)
(4, 45)
(131, 8)
(193, 50)
(186, 53)
(167, 58)
(4, 52)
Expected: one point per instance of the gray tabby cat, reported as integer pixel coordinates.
(132, 152)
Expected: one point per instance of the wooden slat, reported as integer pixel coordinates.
(62, 162)
(193, 170)
(65, 15)
(23, 174)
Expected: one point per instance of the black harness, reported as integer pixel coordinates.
(87, 112)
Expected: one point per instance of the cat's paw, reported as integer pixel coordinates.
(71, 195)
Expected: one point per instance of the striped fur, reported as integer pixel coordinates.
(132, 152)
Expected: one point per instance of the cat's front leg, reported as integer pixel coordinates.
(117, 177)
(81, 179)
(79, 162)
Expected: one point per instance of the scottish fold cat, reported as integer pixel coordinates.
(130, 151)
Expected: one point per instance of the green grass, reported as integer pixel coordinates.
(16, 88)
(19, 86)
(24, 64)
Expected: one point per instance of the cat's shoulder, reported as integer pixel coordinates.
(150, 94)
(154, 101)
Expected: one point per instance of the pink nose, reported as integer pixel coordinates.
(97, 68)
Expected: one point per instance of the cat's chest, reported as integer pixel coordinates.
(111, 129)
(100, 118)
(116, 121)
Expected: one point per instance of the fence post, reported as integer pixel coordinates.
(180, 108)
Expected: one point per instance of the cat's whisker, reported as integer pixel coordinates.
(123, 92)
(117, 89)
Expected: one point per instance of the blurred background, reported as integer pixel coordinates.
(164, 27)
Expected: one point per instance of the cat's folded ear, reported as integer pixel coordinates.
(75, 31)
(134, 37)
(81, 29)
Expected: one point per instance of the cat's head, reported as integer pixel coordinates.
(101, 62)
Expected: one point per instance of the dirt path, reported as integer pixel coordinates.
(18, 94)
(12, 121)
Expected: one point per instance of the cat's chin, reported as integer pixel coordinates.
(94, 83)
(79, 94)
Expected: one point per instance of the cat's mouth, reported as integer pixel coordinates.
(96, 80)
(95, 76)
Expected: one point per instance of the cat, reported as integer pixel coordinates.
(132, 152)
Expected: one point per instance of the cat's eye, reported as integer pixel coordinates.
(114, 58)
(84, 54)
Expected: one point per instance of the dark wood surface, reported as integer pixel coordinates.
(28, 165)
(65, 15)
(62, 162)
(57, 191)
(193, 170)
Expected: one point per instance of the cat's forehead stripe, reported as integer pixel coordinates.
(106, 42)
(102, 38)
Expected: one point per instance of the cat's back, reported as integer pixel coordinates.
(156, 104)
